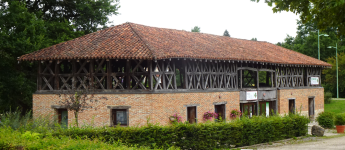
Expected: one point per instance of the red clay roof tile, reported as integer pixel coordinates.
(134, 41)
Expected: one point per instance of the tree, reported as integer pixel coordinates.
(86, 15)
(254, 39)
(27, 26)
(326, 13)
(78, 100)
(195, 29)
(330, 74)
(226, 33)
(306, 42)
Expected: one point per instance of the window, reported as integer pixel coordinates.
(63, 117)
(119, 117)
(191, 114)
(292, 106)
(220, 110)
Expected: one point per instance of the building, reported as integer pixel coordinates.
(147, 72)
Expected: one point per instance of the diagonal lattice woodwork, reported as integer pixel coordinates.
(210, 75)
(289, 77)
(47, 76)
(313, 72)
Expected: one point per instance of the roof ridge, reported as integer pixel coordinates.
(145, 42)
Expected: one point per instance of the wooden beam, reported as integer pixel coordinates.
(56, 75)
(39, 77)
(91, 71)
(74, 68)
(109, 71)
(174, 78)
(128, 74)
(163, 75)
(149, 64)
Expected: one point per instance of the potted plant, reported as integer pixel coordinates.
(175, 118)
(235, 113)
(339, 122)
(209, 115)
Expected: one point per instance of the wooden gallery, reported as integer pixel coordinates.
(148, 72)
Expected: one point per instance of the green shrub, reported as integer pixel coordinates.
(239, 132)
(13, 139)
(339, 119)
(328, 97)
(326, 119)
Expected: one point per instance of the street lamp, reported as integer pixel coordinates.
(336, 61)
(318, 42)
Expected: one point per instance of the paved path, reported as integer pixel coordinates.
(324, 144)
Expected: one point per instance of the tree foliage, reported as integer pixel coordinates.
(226, 33)
(79, 100)
(326, 13)
(195, 29)
(27, 26)
(254, 39)
(306, 42)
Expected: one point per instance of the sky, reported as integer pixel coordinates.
(242, 18)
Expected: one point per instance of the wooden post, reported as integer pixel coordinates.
(258, 87)
(91, 70)
(57, 79)
(186, 75)
(241, 77)
(74, 68)
(163, 75)
(175, 85)
(151, 86)
(128, 74)
(39, 76)
(109, 81)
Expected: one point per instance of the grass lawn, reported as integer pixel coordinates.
(337, 106)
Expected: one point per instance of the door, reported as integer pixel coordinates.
(191, 114)
(63, 117)
(292, 106)
(249, 109)
(311, 108)
(220, 110)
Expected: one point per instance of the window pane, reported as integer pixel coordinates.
(121, 117)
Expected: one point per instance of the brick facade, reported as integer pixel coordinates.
(301, 97)
(158, 107)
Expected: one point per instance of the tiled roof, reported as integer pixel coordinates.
(135, 41)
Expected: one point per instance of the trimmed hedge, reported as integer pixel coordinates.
(326, 119)
(241, 132)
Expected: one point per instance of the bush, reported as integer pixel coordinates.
(328, 97)
(339, 119)
(13, 139)
(239, 132)
(326, 119)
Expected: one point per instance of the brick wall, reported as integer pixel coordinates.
(157, 107)
(301, 97)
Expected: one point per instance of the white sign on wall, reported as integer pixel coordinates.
(314, 80)
(267, 109)
(251, 95)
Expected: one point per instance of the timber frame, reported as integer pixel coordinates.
(170, 75)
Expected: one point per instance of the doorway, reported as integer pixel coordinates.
(220, 110)
(191, 114)
(63, 117)
(311, 107)
(291, 106)
(248, 109)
